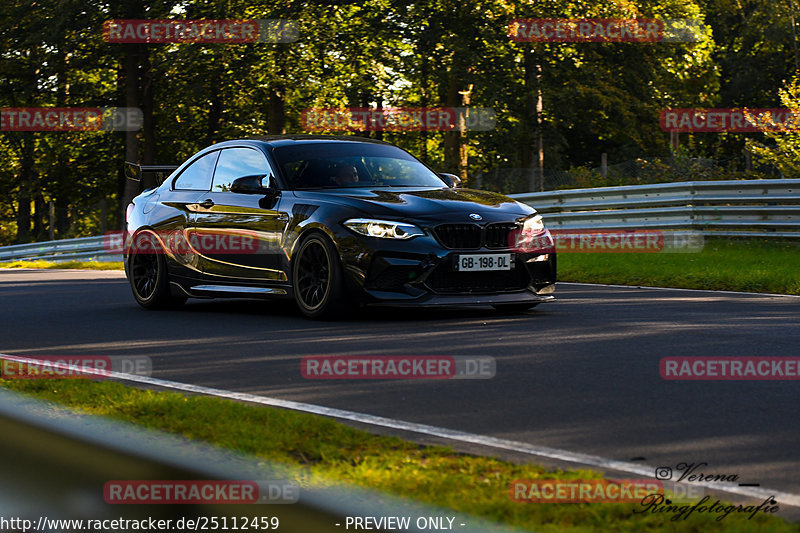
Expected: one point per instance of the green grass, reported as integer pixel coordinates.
(752, 266)
(326, 451)
(84, 265)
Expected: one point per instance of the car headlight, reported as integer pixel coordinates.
(533, 225)
(533, 236)
(385, 229)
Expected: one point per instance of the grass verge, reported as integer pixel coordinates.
(325, 450)
(83, 265)
(753, 265)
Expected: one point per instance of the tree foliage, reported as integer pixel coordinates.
(782, 145)
(596, 97)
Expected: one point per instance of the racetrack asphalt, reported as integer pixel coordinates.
(579, 374)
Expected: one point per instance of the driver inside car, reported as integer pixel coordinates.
(346, 175)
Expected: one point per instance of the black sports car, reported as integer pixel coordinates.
(331, 222)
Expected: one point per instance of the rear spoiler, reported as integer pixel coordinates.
(134, 172)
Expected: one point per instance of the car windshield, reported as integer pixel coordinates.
(349, 164)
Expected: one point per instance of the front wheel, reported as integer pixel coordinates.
(148, 274)
(317, 278)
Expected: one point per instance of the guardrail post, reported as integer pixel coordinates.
(604, 165)
(51, 215)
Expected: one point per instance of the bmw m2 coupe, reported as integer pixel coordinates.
(331, 222)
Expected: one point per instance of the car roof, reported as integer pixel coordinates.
(282, 140)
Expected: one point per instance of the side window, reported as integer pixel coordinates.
(197, 176)
(236, 163)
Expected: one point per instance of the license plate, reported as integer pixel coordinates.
(483, 262)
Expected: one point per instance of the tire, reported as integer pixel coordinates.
(317, 279)
(513, 309)
(148, 274)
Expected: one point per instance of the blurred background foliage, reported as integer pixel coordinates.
(559, 106)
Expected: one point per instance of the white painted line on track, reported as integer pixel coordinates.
(783, 498)
(676, 289)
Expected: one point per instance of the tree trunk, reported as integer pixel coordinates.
(463, 147)
(62, 219)
(130, 188)
(533, 142)
(277, 111)
(148, 121)
(277, 105)
(363, 102)
(379, 133)
(129, 79)
(455, 141)
(39, 214)
(25, 195)
(214, 112)
(452, 153)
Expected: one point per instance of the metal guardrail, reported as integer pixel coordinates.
(56, 465)
(82, 249)
(756, 208)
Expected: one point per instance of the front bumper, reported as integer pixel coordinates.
(423, 273)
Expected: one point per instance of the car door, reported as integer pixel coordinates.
(171, 213)
(239, 235)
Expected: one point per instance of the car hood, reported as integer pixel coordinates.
(430, 203)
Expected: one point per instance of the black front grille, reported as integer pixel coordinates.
(501, 235)
(459, 236)
(445, 279)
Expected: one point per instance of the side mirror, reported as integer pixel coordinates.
(252, 185)
(451, 180)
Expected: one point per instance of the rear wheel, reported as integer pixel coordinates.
(148, 274)
(317, 278)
